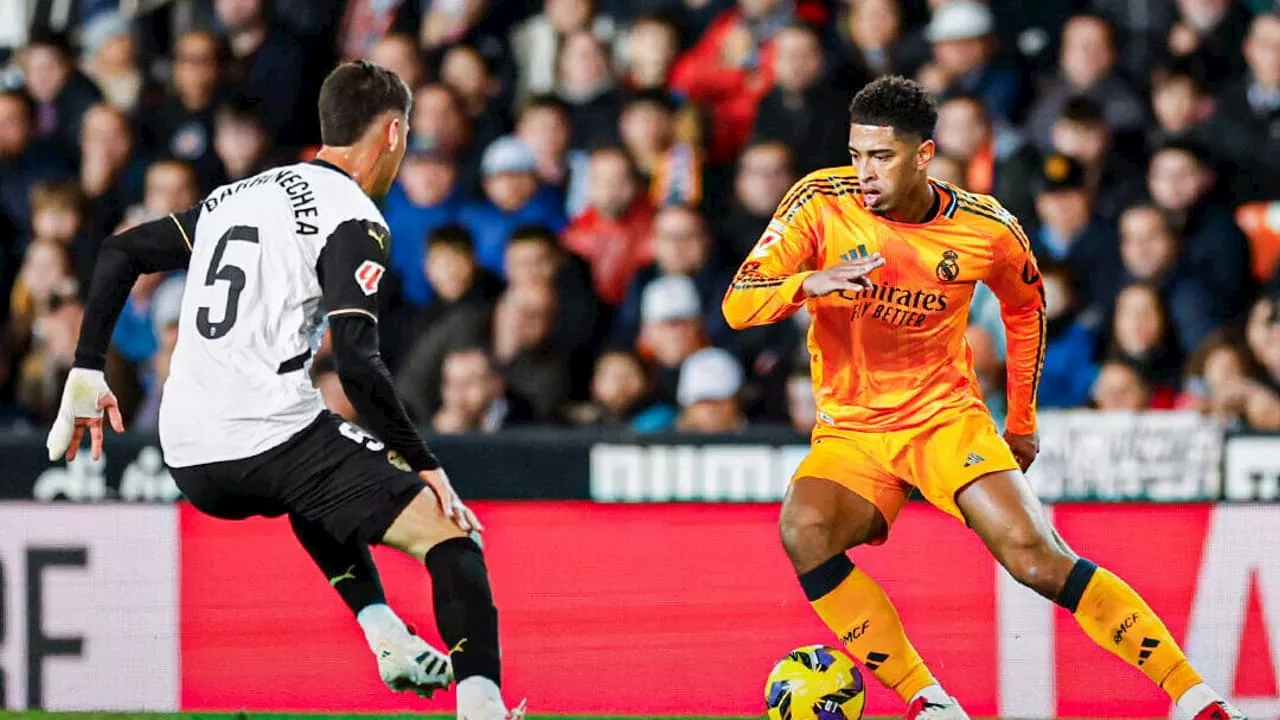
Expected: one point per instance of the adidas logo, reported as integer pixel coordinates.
(875, 660)
(1148, 645)
(973, 459)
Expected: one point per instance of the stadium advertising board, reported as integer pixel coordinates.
(1252, 468)
(610, 608)
(88, 607)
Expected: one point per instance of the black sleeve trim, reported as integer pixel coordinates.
(372, 393)
(160, 245)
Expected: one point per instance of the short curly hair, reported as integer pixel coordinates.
(897, 102)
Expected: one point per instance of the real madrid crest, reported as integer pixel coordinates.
(949, 268)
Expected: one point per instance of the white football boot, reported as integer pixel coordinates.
(413, 665)
(930, 709)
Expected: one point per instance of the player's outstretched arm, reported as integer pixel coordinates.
(157, 246)
(769, 286)
(1015, 279)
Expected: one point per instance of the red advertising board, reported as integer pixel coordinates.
(683, 608)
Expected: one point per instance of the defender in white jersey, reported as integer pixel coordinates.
(271, 260)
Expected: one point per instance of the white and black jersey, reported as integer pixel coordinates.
(271, 260)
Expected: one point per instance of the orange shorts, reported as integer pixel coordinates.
(939, 459)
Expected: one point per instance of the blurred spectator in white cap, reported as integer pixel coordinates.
(110, 58)
(670, 328)
(166, 308)
(710, 380)
(513, 198)
(962, 33)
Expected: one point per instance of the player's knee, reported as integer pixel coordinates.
(1035, 561)
(808, 533)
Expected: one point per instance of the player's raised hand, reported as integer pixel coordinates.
(84, 399)
(851, 275)
(460, 514)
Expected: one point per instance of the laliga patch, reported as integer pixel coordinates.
(368, 275)
(772, 235)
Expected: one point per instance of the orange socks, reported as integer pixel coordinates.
(1115, 617)
(860, 614)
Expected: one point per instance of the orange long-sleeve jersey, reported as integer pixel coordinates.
(895, 356)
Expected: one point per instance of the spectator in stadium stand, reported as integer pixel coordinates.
(1112, 176)
(367, 23)
(1142, 335)
(458, 285)
(765, 172)
(425, 196)
(802, 409)
(464, 69)
(1226, 382)
(474, 396)
(1070, 232)
(586, 84)
(44, 368)
(182, 125)
(803, 110)
(671, 316)
(867, 41)
(1142, 27)
(989, 366)
(112, 169)
(62, 93)
(398, 53)
(166, 308)
(962, 34)
(681, 246)
(1121, 387)
(1071, 341)
(647, 128)
(516, 332)
(730, 69)
(536, 41)
(438, 122)
(59, 212)
(513, 197)
(543, 125)
(242, 141)
(996, 160)
(948, 169)
(24, 161)
(1209, 34)
(1181, 106)
(1087, 68)
(710, 381)
(1248, 113)
(110, 60)
(534, 257)
(45, 274)
(261, 54)
(1180, 180)
(1150, 253)
(614, 234)
(650, 47)
(618, 389)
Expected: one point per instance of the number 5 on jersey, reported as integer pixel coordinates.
(235, 277)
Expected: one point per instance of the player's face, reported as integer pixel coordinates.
(889, 166)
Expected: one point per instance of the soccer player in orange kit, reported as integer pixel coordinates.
(885, 259)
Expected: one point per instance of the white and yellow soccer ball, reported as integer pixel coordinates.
(815, 682)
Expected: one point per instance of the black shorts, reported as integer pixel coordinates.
(331, 474)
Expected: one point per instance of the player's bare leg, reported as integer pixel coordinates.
(405, 661)
(820, 521)
(464, 609)
(1006, 514)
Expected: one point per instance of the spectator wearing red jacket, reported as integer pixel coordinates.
(613, 234)
(730, 69)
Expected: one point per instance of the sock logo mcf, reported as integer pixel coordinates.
(1124, 627)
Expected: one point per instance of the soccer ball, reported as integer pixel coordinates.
(815, 683)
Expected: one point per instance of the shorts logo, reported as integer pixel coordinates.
(949, 269)
(368, 276)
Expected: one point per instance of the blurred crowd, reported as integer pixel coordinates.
(584, 176)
